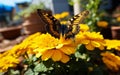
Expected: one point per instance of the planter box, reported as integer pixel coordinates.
(33, 27)
(115, 32)
(11, 32)
(33, 24)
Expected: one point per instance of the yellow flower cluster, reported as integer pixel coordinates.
(91, 40)
(57, 49)
(10, 58)
(45, 47)
(61, 15)
(113, 44)
(7, 60)
(111, 60)
(103, 24)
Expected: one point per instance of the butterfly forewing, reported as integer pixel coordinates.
(52, 24)
(73, 23)
(77, 19)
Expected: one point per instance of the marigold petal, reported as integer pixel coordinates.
(57, 55)
(65, 58)
(85, 41)
(95, 44)
(46, 55)
(59, 46)
(110, 64)
(101, 47)
(40, 50)
(68, 50)
(89, 47)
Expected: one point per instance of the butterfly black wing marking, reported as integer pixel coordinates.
(73, 23)
(52, 24)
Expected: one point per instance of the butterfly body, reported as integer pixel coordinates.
(54, 27)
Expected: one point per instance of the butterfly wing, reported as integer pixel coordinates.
(77, 19)
(73, 23)
(52, 24)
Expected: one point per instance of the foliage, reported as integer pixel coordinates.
(111, 19)
(31, 9)
(93, 6)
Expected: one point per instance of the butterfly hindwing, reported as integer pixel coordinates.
(52, 24)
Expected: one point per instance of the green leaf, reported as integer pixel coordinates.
(40, 68)
(1, 73)
(14, 72)
(81, 49)
(29, 72)
(82, 56)
(34, 58)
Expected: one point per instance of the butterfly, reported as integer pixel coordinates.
(55, 28)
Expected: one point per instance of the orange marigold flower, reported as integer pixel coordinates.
(61, 15)
(57, 49)
(111, 60)
(7, 60)
(64, 14)
(113, 44)
(118, 19)
(103, 24)
(91, 40)
(57, 16)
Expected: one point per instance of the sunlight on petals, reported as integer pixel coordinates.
(96, 44)
(46, 55)
(101, 47)
(59, 46)
(68, 50)
(85, 41)
(89, 47)
(65, 58)
(57, 55)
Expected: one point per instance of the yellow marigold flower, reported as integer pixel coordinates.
(25, 46)
(57, 49)
(64, 14)
(118, 19)
(113, 44)
(84, 27)
(61, 15)
(7, 61)
(103, 24)
(118, 48)
(57, 16)
(111, 60)
(46, 41)
(10, 58)
(91, 40)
